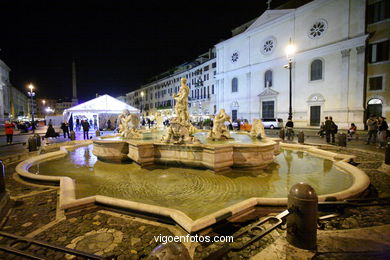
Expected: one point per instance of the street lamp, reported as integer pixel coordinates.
(290, 51)
(142, 100)
(31, 94)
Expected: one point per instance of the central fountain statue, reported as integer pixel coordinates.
(180, 144)
(180, 130)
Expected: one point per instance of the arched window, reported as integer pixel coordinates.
(268, 79)
(234, 85)
(316, 70)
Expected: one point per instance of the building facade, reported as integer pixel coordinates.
(4, 91)
(328, 67)
(156, 96)
(378, 67)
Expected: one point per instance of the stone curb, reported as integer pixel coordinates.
(68, 199)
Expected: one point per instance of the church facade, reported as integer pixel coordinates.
(328, 68)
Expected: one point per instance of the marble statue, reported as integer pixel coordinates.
(121, 120)
(159, 120)
(128, 125)
(181, 98)
(257, 130)
(180, 130)
(220, 131)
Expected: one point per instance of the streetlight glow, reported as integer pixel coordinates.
(31, 87)
(290, 50)
(43, 102)
(142, 94)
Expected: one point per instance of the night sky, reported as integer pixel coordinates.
(117, 45)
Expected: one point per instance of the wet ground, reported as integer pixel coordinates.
(35, 214)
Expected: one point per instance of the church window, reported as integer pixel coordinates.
(318, 29)
(235, 56)
(316, 70)
(268, 79)
(234, 85)
(376, 83)
(268, 45)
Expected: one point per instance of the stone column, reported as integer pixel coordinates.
(359, 88)
(249, 97)
(359, 93)
(344, 87)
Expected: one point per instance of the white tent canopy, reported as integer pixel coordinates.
(102, 104)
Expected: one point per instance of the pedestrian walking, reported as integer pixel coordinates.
(77, 124)
(9, 131)
(65, 129)
(372, 124)
(108, 124)
(327, 128)
(85, 125)
(333, 129)
(382, 131)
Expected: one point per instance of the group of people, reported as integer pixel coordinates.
(377, 130)
(329, 129)
(50, 132)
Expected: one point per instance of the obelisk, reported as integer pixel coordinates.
(74, 87)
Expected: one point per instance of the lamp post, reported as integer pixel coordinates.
(142, 100)
(44, 107)
(31, 94)
(290, 51)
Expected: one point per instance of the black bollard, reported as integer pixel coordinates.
(301, 137)
(342, 139)
(302, 223)
(38, 138)
(2, 177)
(282, 133)
(72, 135)
(32, 144)
(387, 154)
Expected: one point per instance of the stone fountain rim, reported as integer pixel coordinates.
(68, 199)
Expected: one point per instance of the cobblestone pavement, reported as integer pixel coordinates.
(35, 214)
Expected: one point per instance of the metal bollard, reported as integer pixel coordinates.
(301, 137)
(302, 223)
(97, 133)
(32, 144)
(282, 133)
(38, 138)
(170, 250)
(342, 139)
(72, 135)
(2, 177)
(387, 154)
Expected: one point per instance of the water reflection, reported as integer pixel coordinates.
(196, 192)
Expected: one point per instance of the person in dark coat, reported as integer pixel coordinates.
(77, 124)
(382, 131)
(108, 124)
(65, 129)
(327, 128)
(50, 132)
(85, 125)
(290, 129)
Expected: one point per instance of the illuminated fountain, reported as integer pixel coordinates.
(191, 176)
(182, 143)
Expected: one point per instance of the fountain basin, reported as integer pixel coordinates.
(70, 200)
(217, 157)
